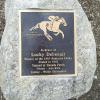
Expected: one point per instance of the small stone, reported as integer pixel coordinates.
(95, 77)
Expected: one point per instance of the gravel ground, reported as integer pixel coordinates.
(92, 9)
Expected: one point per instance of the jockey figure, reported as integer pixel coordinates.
(53, 19)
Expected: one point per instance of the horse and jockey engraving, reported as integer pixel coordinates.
(53, 25)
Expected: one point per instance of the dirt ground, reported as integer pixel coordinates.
(92, 9)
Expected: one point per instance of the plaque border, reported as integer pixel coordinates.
(20, 43)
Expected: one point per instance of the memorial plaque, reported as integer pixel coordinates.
(47, 42)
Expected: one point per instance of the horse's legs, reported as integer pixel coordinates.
(56, 34)
(61, 33)
(47, 35)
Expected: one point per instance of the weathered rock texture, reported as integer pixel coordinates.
(16, 88)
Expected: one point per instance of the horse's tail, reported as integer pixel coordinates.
(34, 27)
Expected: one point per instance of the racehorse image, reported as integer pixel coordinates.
(53, 25)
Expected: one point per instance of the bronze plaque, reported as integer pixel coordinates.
(47, 42)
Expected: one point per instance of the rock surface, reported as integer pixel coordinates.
(16, 88)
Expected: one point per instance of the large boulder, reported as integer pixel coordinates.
(16, 88)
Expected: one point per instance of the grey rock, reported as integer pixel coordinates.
(62, 88)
